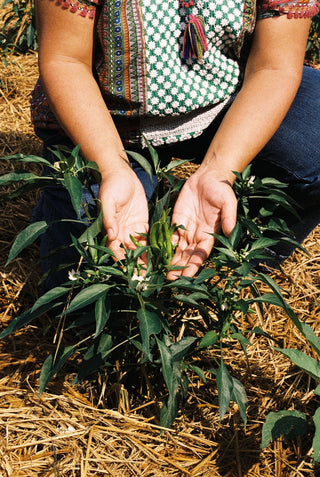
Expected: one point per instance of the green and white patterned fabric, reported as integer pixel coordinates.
(148, 87)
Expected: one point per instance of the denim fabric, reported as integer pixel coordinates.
(292, 155)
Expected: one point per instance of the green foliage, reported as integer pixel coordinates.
(18, 33)
(291, 424)
(286, 424)
(124, 318)
(313, 45)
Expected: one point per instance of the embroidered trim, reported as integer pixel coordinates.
(293, 9)
(83, 8)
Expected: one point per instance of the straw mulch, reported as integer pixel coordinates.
(68, 431)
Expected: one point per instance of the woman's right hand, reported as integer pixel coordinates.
(125, 209)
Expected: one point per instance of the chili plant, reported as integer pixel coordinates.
(18, 31)
(124, 318)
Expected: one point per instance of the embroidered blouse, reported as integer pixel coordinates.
(149, 89)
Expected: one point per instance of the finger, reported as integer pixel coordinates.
(229, 215)
(116, 249)
(196, 259)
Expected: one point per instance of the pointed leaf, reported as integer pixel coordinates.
(29, 158)
(26, 318)
(26, 237)
(49, 297)
(169, 411)
(171, 370)
(93, 230)
(239, 396)
(53, 364)
(199, 372)
(17, 176)
(305, 362)
(209, 339)
(143, 162)
(95, 357)
(316, 437)
(286, 424)
(181, 348)
(74, 187)
(150, 324)
(176, 163)
(102, 313)
(87, 296)
(225, 387)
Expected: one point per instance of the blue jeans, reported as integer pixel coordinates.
(292, 155)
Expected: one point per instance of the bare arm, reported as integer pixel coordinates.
(65, 61)
(272, 77)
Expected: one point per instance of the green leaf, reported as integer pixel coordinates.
(236, 235)
(223, 240)
(305, 362)
(204, 275)
(258, 331)
(270, 298)
(316, 437)
(181, 348)
(317, 390)
(169, 411)
(93, 230)
(263, 243)
(150, 324)
(74, 187)
(225, 388)
(17, 176)
(26, 318)
(171, 370)
(26, 237)
(239, 396)
(153, 154)
(102, 313)
(241, 338)
(310, 336)
(95, 357)
(87, 296)
(49, 297)
(209, 339)
(286, 424)
(143, 162)
(53, 364)
(198, 371)
(29, 158)
(176, 163)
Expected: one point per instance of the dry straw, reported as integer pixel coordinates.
(68, 432)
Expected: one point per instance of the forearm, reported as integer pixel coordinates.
(76, 101)
(253, 118)
(272, 78)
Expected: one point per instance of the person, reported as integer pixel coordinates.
(222, 81)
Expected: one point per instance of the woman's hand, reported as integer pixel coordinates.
(125, 209)
(205, 204)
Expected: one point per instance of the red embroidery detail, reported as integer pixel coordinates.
(82, 9)
(299, 9)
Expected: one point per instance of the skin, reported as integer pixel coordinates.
(272, 78)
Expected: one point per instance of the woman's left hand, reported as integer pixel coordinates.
(206, 204)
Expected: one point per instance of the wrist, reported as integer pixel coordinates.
(221, 170)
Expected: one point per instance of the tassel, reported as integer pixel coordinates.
(194, 41)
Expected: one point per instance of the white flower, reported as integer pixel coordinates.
(142, 284)
(73, 275)
(251, 180)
